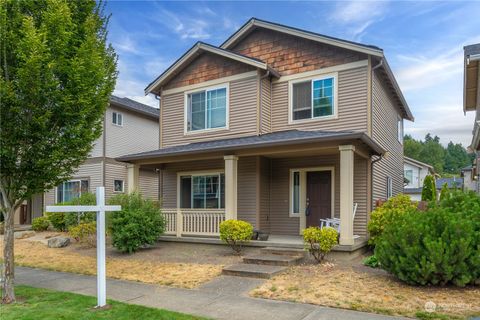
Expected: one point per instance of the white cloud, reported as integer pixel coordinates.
(126, 44)
(357, 16)
(185, 27)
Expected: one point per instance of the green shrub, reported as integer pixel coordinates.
(85, 233)
(57, 220)
(74, 218)
(319, 242)
(435, 247)
(382, 216)
(139, 222)
(445, 192)
(429, 191)
(40, 224)
(235, 233)
(371, 261)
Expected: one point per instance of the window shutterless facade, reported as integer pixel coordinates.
(118, 185)
(202, 191)
(70, 190)
(117, 118)
(207, 109)
(314, 98)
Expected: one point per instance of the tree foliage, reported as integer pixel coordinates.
(57, 73)
(449, 160)
(429, 190)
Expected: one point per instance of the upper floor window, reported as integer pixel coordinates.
(70, 190)
(207, 109)
(409, 176)
(313, 99)
(400, 130)
(117, 118)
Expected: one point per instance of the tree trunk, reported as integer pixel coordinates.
(8, 293)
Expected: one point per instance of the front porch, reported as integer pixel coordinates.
(279, 188)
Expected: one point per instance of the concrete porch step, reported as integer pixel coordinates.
(253, 270)
(283, 251)
(273, 259)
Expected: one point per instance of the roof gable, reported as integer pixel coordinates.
(134, 106)
(192, 54)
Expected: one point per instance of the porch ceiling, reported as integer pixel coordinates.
(275, 144)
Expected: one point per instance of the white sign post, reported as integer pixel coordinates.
(100, 209)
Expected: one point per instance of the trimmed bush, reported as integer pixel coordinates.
(429, 191)
(319, 242)
(383, 215)
(371, 261)
(235, 233)
(40, 224)
(75, 218)
(436, 247)
(139, 223)
(85, 233)
(445, 192)
(57, 220)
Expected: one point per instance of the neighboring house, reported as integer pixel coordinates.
(415, 172)
(470, 180)
(128, 127)
(280, 127)
(452, 183)
(471, 100)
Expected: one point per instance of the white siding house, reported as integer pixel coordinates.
(415, 172)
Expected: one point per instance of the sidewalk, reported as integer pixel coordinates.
(223, 298)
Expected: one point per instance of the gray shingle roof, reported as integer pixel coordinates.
(451, 182)
(290, 137)
(472, 49)
(135, 106)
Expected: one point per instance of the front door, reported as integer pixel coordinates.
(319, 197)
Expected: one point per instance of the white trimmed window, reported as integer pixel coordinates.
(117, 118)
(400, 130)
(202, 191)
(70, 190)
(207, 109)
(389, 187)
(313, 99)
(118, 185)
(409, 176)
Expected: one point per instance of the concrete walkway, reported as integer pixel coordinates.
(223, 298)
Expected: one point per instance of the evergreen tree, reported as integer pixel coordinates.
(445, 192)
(429, 191)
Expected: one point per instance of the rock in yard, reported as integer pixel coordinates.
(58, 242)
(23, 234)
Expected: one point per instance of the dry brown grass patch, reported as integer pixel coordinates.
(185, 275)
(329, 285)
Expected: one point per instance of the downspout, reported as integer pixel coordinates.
(260, 87)
(371, 176)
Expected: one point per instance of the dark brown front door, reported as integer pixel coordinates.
(319, 197)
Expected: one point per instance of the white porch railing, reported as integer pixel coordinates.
(201, 222)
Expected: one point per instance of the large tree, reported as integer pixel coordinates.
(57, 74)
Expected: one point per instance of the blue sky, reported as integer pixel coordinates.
(423, 42)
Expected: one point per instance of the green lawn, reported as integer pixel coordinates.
(45, 304)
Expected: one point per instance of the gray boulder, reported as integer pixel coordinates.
(58, 242)
(23, 234)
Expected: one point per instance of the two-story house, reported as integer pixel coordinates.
(128, 126)
(471, 101)
(415, 172)
(280, 127)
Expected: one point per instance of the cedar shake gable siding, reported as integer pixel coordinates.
(288, 54)
(205, 67)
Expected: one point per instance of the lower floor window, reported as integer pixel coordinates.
(389, 187)
(118, 185)
(202, 191)
(72, 189)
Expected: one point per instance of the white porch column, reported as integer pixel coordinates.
(346, 194)
(133, 177)
(231, 187)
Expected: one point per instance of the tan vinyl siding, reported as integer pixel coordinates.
(265, 114)
(242, 115)
(360, 196)
(115, 171)
(352, 105)
(97, 150)
(265, 194)
(138, 133)
(384, 132)
(37, 205)
(90, 171)
(247, 191)
(148, 184)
